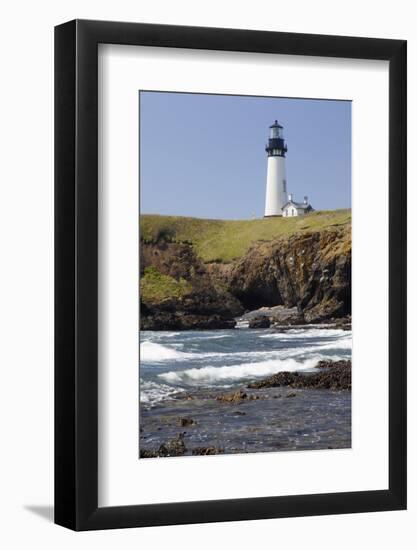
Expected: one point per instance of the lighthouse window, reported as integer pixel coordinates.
(275, 132)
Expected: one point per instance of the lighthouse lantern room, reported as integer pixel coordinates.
(276, 185)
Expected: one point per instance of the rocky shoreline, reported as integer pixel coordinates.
(280, 318)
(333, 375)
(300, 279)
(266, 419)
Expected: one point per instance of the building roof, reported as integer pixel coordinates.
(298, 205)
(276, 125)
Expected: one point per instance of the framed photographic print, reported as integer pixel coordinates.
(230, 275)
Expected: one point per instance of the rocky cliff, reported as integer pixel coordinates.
(307, 266)
(178, 292)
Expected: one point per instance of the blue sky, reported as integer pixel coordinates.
(204, 155)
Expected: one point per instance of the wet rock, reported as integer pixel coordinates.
(174, 447)
(205, 451)
(333, 375)
(333, 364)
(237, 397)
(234, 397)
(285, 316)
(259, 322)
(186, 422)
(145, 453)
(280, 315)
(239, 413)
(291, 394)
(183, 320)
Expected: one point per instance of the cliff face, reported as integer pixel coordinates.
(201, 302)
(310, 270)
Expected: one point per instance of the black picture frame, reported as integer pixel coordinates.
(76, 272)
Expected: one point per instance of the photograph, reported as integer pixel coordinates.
(208, 361)
(245, 274)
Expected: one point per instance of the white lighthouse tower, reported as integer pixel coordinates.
(276, 185)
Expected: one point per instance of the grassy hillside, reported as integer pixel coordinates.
(156, 287)
(226, 240)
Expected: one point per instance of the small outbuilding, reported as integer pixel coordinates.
(292, 208)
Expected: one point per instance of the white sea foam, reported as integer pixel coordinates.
(345, 343)
(151, 351)
(206, 337)
(152, 392)
(211, 375)
(146, 335)
(309, 333)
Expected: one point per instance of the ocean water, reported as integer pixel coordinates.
(172, 362)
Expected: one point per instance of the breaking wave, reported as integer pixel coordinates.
(151, 351)
(152, 392)
(173, 362)
(212, 375)
(309, 333)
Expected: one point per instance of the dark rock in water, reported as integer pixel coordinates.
(145, 453)
(333, 364)
(174, 447)
(314, 419)
(292, 394)
(293, 319)
(283, 378)
(181, 320)
(234, 397)
(259, 322)
(186, 422)
(333, 375)
(237, 397)
(204, 451)
(265, 317)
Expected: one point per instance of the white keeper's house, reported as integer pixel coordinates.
(292, 208)
(277, 202)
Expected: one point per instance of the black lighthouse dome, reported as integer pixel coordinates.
(276, 146)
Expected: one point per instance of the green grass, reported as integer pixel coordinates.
(226, 240)
(156, 287)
